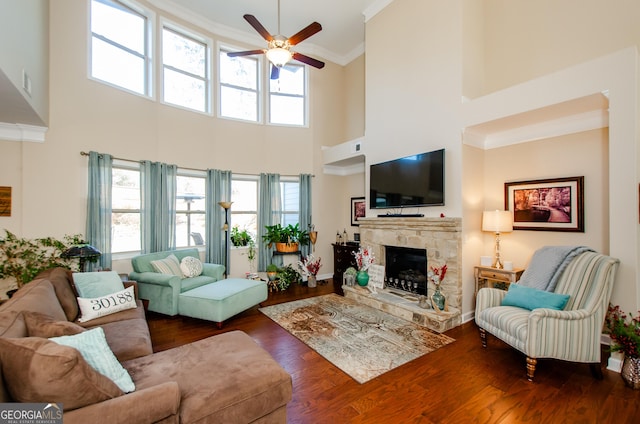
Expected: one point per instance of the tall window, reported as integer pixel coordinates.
(287, 96)
(244, 211)
(239, 87)
(120, 46)
(190, 211)
(125, 217)
(290, 193)
(185, 70)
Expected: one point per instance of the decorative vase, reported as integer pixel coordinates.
(362, 277)
(631, 372)
(311, 281)
(438, 299)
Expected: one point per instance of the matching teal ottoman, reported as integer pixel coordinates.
(223, 299)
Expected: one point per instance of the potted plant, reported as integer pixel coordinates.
(624, 331)
(272, 271)
(310, 267)
(22, 259)
(240, 237)
(286, 239)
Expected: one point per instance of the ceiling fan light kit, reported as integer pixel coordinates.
(279, 47)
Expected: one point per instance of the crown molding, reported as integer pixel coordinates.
(22, 132)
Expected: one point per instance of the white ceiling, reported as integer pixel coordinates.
(341, 39)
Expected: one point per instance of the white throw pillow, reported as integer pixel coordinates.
(191, 267)
(106, 305)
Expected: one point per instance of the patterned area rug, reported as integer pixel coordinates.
(362, 341)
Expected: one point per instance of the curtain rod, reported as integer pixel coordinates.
(182, 167)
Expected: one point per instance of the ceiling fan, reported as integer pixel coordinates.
(279, 47)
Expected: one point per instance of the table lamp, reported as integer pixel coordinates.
(497, 222)
(82, 252)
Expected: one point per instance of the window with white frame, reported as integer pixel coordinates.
(125, 205)
(239, 86)
(121, 46)
(190, 210)
(290, 199)
(244, 211)
(185, 70)
(287, 96)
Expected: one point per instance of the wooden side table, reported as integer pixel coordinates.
(487, 276)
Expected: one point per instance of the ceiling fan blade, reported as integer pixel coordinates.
(246, 53)
(253, 21)
(305, 33)
(308, 60)
(275, 72)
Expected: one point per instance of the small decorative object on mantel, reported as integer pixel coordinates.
(364, 259)
(438, 300)
(624, 331)
(310, 267)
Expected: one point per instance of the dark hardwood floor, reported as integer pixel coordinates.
(459, 383)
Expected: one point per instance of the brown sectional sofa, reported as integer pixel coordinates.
(226, 378)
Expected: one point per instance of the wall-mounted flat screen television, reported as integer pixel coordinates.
(411, 181)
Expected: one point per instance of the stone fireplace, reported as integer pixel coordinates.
(441, 237)
(441, 241)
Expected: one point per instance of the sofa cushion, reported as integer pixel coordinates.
(97, 284)
(106, 305)
(169, 265)
(36, 296)
(128, 339)
(93, 346)
(41, 325)
(62, 281)
(531, 298)
(39, 370)
(190, 266)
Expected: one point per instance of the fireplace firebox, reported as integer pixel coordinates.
(406, 269)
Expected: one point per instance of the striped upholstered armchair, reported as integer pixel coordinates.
(570, 332)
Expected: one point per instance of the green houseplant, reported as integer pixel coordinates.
(272, 272)
(23, 259)
(240, 237)
(286, 239)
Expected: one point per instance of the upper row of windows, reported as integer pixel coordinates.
(121, 55)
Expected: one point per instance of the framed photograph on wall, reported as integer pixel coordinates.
(358, 209)
(547, 205)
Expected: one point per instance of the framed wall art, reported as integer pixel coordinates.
(547, 205)
(358, 209)
(5, 201)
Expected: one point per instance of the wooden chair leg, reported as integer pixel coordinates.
(483, 337)
(531, 367)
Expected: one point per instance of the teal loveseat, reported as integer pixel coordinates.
(163, 290)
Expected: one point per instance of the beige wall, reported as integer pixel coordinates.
(24, 34)
(527, 39)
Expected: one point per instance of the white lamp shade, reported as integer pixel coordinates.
(497, 221)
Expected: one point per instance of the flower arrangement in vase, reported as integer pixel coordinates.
(310, 267)
(436, 275)
(624, 331)
(364, 259)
